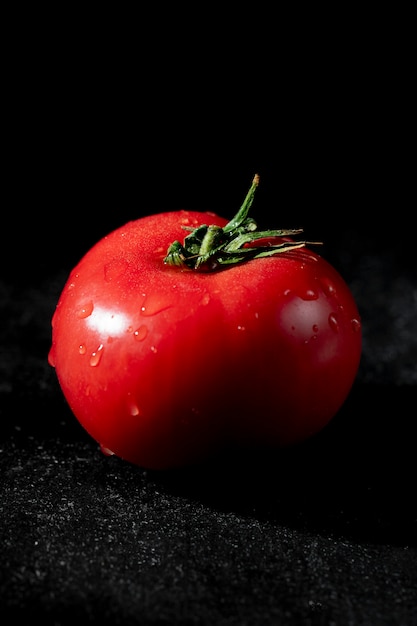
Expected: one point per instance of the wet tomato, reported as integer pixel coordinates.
(171, 346)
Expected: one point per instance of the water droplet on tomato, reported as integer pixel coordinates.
(106, 451)
(356, 325)
(96, 356)
(71, 285)
(185, 220)
(85, 310)
(205, 299)
(154, 304)
(154, 349)
(51, 357)
(132, 406)
(310, 294)
(140, 333)
(315, 328)
(333, 322)
(327, 286)
(82, 349)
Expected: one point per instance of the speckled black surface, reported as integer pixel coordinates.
(321, 535)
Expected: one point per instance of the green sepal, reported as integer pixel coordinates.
(208, 247)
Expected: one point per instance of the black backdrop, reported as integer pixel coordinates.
(324, 534)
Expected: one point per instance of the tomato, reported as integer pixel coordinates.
(168, 352)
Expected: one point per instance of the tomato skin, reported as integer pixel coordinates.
(164, 366)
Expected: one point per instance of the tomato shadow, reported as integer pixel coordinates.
(355, 479)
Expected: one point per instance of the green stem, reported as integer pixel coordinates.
(207, 248)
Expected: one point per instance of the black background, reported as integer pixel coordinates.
(103, 125)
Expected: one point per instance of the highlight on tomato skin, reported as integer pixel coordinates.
(182, 334)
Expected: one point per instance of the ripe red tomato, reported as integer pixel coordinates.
(164, 365)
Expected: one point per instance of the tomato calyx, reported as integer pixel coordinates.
(210, 247)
